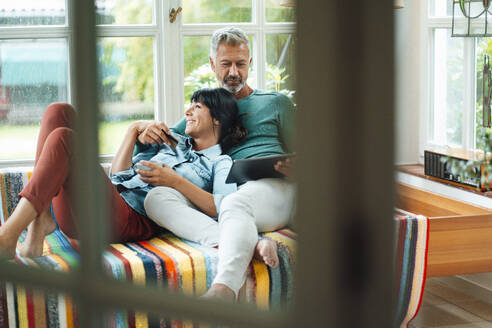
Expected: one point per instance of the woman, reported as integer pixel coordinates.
(195, 167)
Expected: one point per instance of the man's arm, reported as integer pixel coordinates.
(286, 115)
(180, 127)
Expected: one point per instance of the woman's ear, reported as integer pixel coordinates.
(215, 121)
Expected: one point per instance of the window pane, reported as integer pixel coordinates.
(126, 77)
(441, 8)
(124, 12)
(197, 71)
(216, 11)
(484, 47)
(29, 12)
(449, 88)
(33, 74)
(277, 13)
(280, 71)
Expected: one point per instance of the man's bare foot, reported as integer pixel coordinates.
(266, 251)
(7, 247)
(42, 226)
(220, 292)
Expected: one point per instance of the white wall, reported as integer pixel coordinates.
(409, 54)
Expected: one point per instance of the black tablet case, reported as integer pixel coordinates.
(244, 170)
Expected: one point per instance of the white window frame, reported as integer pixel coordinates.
(168, 52)
(259, 28)
(154, 30)
(469, 103)
(320, 278)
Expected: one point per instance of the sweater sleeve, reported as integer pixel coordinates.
(180, 127)
(286, 116)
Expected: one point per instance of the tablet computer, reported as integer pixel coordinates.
(244, 170)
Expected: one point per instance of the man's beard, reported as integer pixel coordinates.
(233, 89)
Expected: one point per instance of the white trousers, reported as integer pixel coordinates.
(258, 206)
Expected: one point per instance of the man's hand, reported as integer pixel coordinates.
(286, 167)
(152, 132)
(159, 175)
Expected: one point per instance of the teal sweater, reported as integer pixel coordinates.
(269, 119)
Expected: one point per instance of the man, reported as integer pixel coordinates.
(258, 206)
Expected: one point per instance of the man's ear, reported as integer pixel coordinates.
(211, 63)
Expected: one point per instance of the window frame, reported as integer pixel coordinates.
(258, 28)
(469, 103)
(168, 52)
(326, 293)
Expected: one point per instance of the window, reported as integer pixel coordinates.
(119, 47)
(455, 89)
(148, 67)
(36, 71)
(323, 275)
(266, 23)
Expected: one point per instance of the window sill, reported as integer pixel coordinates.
(413, 175)
(30, 161)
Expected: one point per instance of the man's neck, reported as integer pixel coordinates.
(244, 92)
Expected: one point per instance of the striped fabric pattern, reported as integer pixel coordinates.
(163, 261)
(412, 237)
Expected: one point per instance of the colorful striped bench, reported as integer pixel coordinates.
(165, 260)
(186, 267)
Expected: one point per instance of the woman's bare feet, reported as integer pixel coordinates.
(23, 214)
(7, 246)
(266, 251)
(220, 292)
(42, 226)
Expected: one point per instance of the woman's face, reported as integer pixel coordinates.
(199, 122)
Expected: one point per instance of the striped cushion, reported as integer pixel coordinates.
(166, 260)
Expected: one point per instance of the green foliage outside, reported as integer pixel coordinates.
(128, 92)
(233, 11)
(473, 169)
(216, 11)
(136, 83)
(23, 137)
(276, 78)
(484, 46)
(136, 79)
(204, 77)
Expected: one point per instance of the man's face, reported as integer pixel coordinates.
(231, 66)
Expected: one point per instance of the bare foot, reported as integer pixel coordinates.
(220, 292)
(266, 251)
(7, 247)
(42, 226)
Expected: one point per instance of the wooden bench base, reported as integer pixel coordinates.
(460, 234)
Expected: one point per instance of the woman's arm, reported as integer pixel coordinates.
(147, 132)
(166, 176)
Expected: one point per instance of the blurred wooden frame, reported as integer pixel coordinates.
(460, 234)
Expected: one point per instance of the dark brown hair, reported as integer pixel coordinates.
(223, 107)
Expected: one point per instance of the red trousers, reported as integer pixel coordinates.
(52, 179)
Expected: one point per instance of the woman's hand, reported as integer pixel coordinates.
(151, 132)
(159, 175)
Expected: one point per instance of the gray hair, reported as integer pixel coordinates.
(231, 36)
